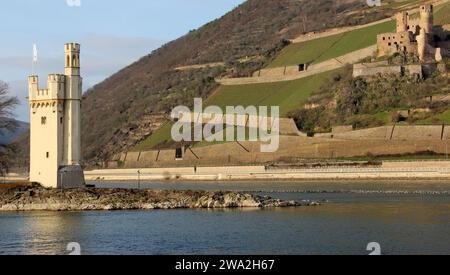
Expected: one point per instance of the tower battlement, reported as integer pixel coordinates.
(426, 18)
(55, 88)
(427, 9)
(72, 47)
(402, 21)
(58, 78)
(72, 52)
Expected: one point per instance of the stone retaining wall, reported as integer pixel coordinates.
(335, 31)
(291, 148)
(292, 73)
(398, 132)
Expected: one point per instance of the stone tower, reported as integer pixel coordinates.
(426, 19)
(422, 42)
(55, 152)
(402, 21)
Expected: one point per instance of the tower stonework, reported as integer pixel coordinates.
(426, 18)
(422, 45)
(55, 151)
(402, 21)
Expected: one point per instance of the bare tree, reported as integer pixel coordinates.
(7, 104)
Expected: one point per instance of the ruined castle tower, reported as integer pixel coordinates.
(55, 149)
(422, 42)
(426, 18)
(402, 21)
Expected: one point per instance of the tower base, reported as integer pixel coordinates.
(71, 177)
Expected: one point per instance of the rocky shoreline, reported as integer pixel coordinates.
(36, 198)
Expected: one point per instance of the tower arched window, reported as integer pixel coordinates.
(68, 61)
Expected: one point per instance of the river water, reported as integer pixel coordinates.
(410, 223)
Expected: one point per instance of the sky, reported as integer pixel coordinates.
(112, 34)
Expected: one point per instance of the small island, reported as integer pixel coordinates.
(33, 197)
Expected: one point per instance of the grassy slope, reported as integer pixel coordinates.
(322, 49)
(442, 15)
(160, 136)
(288, 94)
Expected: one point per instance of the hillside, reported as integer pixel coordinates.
(319, 50)
(6, 136)
(126, 108)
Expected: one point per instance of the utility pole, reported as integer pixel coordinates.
(139, 179)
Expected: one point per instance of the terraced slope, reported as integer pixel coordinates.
(288, 94)
(322, 49)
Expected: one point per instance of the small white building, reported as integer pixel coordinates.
(55, 120)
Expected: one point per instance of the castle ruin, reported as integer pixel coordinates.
(414, 35)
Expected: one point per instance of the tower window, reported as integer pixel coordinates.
(47, 154)
(43, 120)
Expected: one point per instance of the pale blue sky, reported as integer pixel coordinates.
(113, 34)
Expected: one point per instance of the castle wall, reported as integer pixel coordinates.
(390, 43)
(397, 70)
(373, 69)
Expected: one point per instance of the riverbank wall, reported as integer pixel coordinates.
(388, 170)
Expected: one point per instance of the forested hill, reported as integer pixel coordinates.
(128, 106)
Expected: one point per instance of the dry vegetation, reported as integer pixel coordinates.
(374, 101)
(7, 103)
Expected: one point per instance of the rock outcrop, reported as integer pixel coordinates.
(41, 199)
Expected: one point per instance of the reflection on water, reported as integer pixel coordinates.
(408, 224)
(39, 232)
